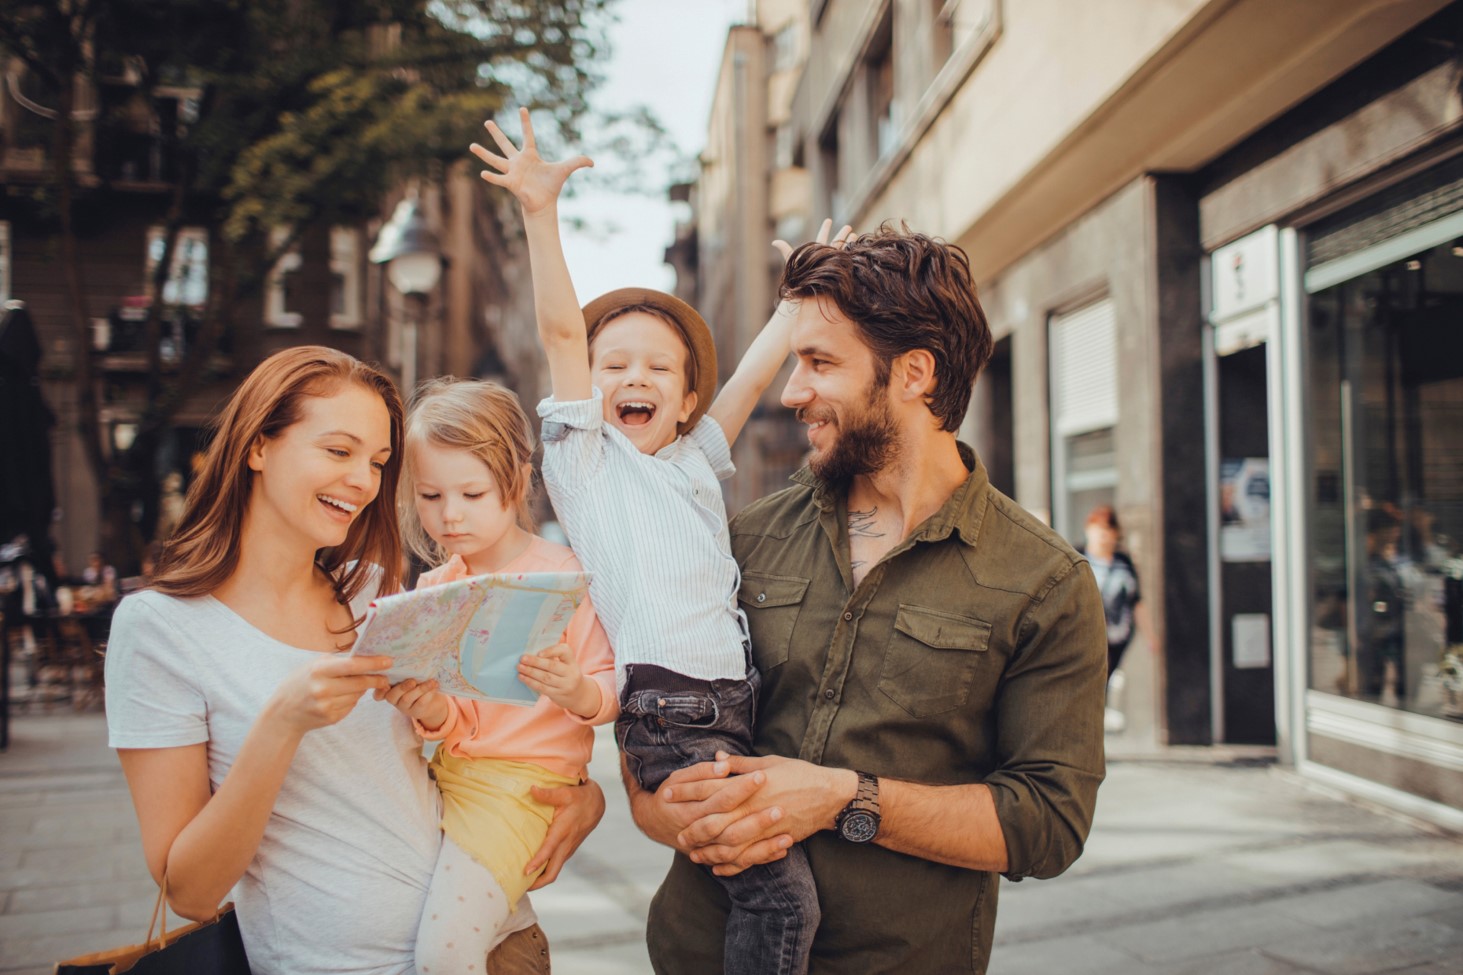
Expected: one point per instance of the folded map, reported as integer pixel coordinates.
(468, 634)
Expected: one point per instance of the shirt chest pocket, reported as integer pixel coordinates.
(933, 659)
(772, 604)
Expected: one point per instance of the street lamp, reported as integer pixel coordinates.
(413, 259)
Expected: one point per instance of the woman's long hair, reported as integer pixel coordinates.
(483, 418)
(204, 549)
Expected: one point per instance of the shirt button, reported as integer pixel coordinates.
(828, 694)
(761, 597)
(847, 617)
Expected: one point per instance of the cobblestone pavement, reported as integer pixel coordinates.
(1202, 862)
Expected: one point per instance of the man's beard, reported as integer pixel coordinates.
(866, 441)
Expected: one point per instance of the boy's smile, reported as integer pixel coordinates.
(638, 361)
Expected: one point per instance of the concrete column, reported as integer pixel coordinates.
(1181, 617)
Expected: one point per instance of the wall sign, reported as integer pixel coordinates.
(1245, 275)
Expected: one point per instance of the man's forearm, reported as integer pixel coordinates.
(758, 367)
(953, 824)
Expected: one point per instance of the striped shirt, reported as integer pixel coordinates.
(652, 533)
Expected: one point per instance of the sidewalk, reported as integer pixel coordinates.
(1202, 862)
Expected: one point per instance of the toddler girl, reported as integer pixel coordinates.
(464, 507)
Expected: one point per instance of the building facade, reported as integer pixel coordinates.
(1219, 245)
(753, 188)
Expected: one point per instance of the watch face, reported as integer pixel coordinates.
(859, 826)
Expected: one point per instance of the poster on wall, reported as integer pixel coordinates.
(1250, 638)
(1244, 509)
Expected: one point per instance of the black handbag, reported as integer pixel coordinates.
(212, 947)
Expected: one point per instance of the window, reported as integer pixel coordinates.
(1385, 424)
(784, 148)
(4, 261)
(187, 282)
(785, 47)
(835, 203)
(879, 70)
(1084, 412)
(942, 34)
(346, 278)
(278, 306)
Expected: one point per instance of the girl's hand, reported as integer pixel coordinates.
(324, 691)
(420, 701)
(535, 181)
(555, 674)
(577, 811)
(450, 571)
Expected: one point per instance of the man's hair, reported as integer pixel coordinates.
(903, 291)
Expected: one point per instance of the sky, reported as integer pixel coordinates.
(665, 54)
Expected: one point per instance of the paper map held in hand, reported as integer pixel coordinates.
(469, 634)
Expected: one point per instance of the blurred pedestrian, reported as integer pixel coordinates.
(101, 576)
(170, 507)
(1117, 581)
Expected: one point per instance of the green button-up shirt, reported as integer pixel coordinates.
(975, 651)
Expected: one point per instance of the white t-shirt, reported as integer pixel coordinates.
(652, 532)
(341, 874)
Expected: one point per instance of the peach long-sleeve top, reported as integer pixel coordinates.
(545, 734)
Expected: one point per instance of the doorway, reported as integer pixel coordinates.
(1242, 600)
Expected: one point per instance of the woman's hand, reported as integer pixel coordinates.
(324, 691)
(420, 701)
(535, 181)
(554, 673)
(577, 811)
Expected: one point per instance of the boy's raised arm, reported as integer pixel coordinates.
(766, 354)
(536, 183)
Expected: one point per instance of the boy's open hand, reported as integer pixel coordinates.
(786, 249)
(535, 181)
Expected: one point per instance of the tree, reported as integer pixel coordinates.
(308, 112)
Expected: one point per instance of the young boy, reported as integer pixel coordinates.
(632, 456)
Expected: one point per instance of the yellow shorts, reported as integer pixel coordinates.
(489, 812)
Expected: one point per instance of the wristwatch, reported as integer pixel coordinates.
(858, 822)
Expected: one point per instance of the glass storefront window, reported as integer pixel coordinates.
(1386, 427)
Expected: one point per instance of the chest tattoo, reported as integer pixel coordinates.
(864, 524)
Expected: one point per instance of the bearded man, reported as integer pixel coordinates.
(933, 658)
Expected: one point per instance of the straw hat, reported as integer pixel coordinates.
(691, 326)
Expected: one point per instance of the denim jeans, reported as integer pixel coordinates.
(669, 721)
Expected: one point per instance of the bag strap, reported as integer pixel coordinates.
(160, 912)
(159, 909)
